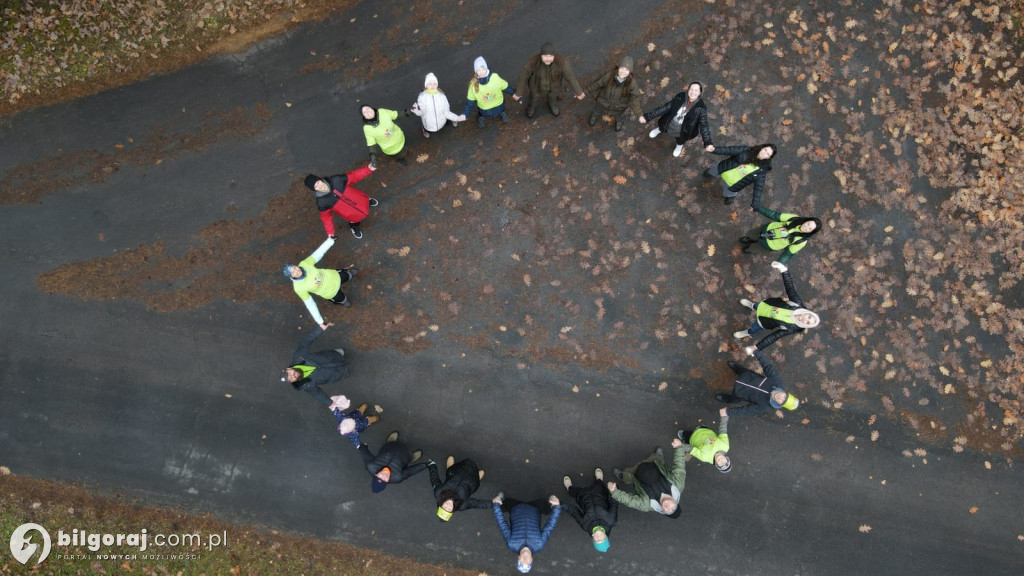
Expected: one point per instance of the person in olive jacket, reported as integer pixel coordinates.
(542, 78)
(744, 166)
(391, 464)
(593, 509)
(682, 118)
(783, 317)
(311, 370)
(657, 486)
(616, 92)
(461, 480)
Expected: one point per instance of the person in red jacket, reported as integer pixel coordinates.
(335, 196)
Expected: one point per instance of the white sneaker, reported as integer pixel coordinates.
(654, 133)
(678, 150)
(741, 334)
(747, 303)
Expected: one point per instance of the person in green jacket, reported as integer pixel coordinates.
(308, 280)
(657, 486)
(382, 134)
(485, 93)
(616, 92)
(706, 446)
(542, 77)
(786, 233)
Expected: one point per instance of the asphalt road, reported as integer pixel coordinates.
(166, 388)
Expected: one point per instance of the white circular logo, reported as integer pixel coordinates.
(22, 546)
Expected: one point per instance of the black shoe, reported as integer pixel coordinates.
(402, 162)
(504, 117)
(722, 398)
(618, 474)
(708, 174)
(555, 111)
(346, 303)
(351, 273)
(735, 366)
(729, 200)
(618, 126)
(480, 121)
(531, 111)
(593, 118)
(356, 233)
(746, 249)
(745, 239)
(374, 203)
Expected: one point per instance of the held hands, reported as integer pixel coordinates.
(723, 412)
(496, 500)
(372, 166)
(612, 487)
(750, 350)
(553, 500)
(326, 325)
(581, 95)
(709, 148)
(779, 266)
(676, 443)
(642, 119)
(462, 117)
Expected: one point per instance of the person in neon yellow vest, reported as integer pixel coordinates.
(784, 317)
(704, 445)
(382, 134)
(744, 166)
(786, 233)
(485, 92)
(308, 280)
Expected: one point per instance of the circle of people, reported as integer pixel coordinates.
(656, 484)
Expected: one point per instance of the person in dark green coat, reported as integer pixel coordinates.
(542, 78)
(657, 486)
(786, 233)
(616, 92)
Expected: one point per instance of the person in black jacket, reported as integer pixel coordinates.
(784, 317)
(759, 392)
(682, 118)
(744, 166)
(310, 370)
(461, 480)
(391, 464)
(593, 509)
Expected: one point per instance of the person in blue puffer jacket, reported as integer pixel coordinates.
(522, 532)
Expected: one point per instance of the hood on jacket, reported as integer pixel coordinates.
(627, 63)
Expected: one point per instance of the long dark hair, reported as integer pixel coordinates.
(625, 83)
(376, 115)
(750, 156)
(450, 495)
(795, 223)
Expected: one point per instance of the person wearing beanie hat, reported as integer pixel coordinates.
(657, 486)
(308, 280)
(392, 464)
(782, 317)
(522, 531)
(461, 480)
(542, 78)
(311, 370)
(594, 509)
(744, 166)
(616, 92)
(786, 233)
(334, 195)
(682, 118)
(485, 93)
(759, 392)
(353, 422)
(382, 134)
(433, 108)
(704, 445)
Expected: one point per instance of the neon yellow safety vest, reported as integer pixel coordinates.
(739, 173)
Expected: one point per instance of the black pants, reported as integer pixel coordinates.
(688, 433)
(340, 297)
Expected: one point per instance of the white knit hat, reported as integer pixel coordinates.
(430, 78)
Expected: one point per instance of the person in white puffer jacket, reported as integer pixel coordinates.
(432, 107)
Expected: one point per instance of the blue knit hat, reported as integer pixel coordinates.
(287, 271)
(603, 545)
